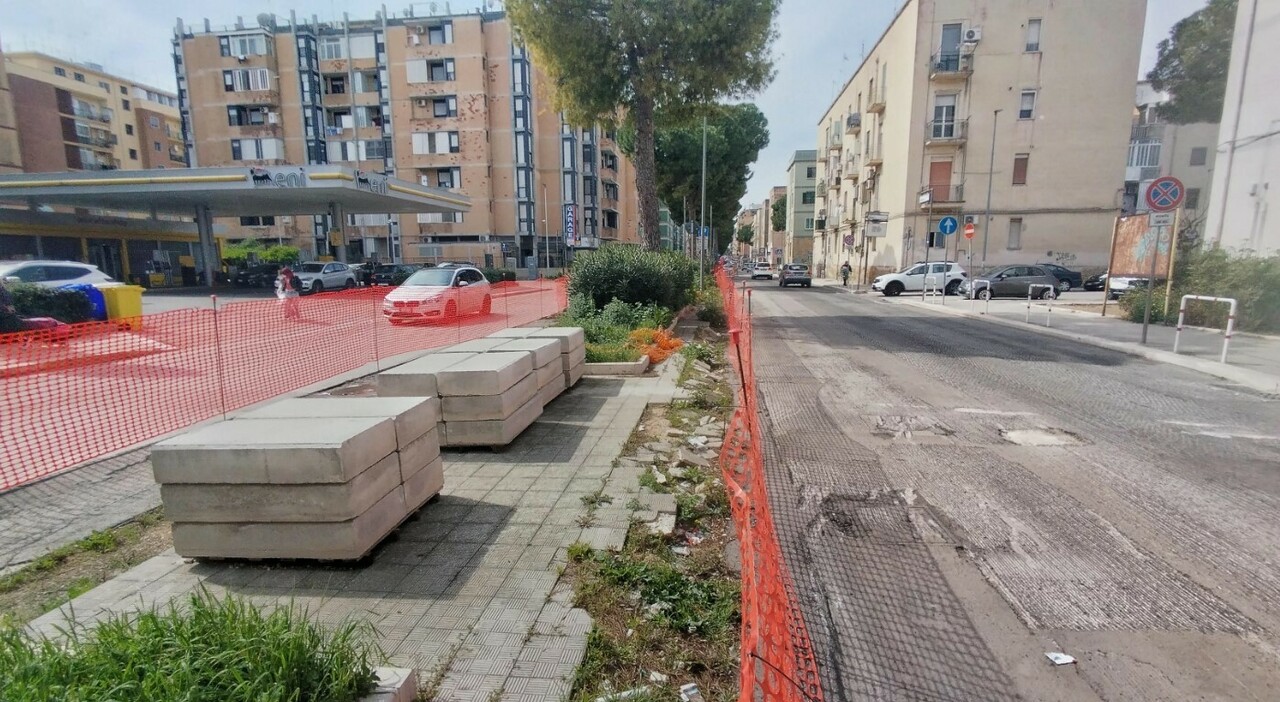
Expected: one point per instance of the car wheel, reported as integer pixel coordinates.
(351, 283)
(953, 288)
(1064, 285)
(893, 289)
(486, 307)
(984, 294)
(451, 310)
(317, 287)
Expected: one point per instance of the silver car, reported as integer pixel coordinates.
(54, 274)
(1012, 281)
(318, 276)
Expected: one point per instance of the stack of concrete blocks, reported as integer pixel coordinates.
(317, 478)
(547, 365)
(573, 346)
(489, 398)
(417, 378)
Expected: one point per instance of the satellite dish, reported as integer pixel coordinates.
(266, 19)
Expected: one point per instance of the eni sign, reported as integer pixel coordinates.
(371, 182)
(266, 177)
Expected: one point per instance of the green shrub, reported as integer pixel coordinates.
(699, 351)
(70, 306)
(611, 353)
(499, 275)
(211, 649)
(282, 254)
(1253, 281)
(633, 275)
(682, 603)
(612, 324)
(1134, 302)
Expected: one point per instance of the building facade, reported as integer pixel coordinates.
(802, 175)
(1029, 99)
(453, 102)
(10, 154)
(1246, 181)
(1158, 148)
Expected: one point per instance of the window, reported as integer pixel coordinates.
(128, 129)
(1144, 154)
(807, 197)
(80, 77)
(444, 107)
(331, 48)
(373, 149)
(1020, 163)
(808, 223)
(133, 154)
(1033, 35)
(124, 90)
(1193, 199)
(611, 191)
(610, 219)
(335, 85)
(124, 105)
(448, 178)
(441, 70)
(257, 221)
(244, 46)
(242, 116)
(440, 34)
(1015, 234)
(256, 149)
(424, 71)
(155, 122)
(104, 85)
(436, 143)
(944, 117)
(1199, 155)
(242, 79)
(59, 71)
(1027, 108)
(811, 172)
(157, 145)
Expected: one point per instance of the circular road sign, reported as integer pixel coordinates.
(948, 225)
(848, 240)
(1165, 194)
(970, 230)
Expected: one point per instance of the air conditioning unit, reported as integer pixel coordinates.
(242, 58)
(422, 102)
(414, 40)
(273, 118)
(973, 35)
(419, 29)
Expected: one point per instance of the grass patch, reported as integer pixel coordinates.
(612, 353)
(649, 479)
(207, 649)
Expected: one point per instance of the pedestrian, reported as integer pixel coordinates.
(845, 270)
(287, 290)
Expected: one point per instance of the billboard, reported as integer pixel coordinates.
(1134, 243)
(571, 225)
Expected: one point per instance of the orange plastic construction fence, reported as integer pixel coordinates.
(777, 655)
(74, 394)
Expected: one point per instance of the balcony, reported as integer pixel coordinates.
(853, 123)
(875, 158)
(822, 186)
(101, 141)
(875, 102)
(950, 66)
(941, 132)
(834, 183)
(851, 170)
(942, 197)
(835, 142)
(100, 114)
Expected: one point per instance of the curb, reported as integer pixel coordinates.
(1253, 380)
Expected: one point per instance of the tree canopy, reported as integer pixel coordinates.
(746, 235)
(637, 59)
(779, 214)
(1192, 64)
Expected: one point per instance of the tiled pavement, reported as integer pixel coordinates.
(468, 589)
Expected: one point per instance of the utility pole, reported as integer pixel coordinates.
(991, 180)
(546, 231)
(702, 219)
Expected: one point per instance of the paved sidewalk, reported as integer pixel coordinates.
(468, 589)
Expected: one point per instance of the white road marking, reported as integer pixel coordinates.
(975, 410)
(1231, 435)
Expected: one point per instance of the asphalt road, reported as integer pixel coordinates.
(957, 498)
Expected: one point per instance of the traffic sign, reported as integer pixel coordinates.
(1165, 194)
(1160, 219)
(706, 231)
(948, 225)
(969, 230)
(848, 240)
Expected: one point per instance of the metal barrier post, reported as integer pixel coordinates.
(748, 302)
(1182, 316)
(1231, 325)
(1031, 291)
(973, 294)
(217, 345)
(1231, 321)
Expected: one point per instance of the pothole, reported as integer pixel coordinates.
(1040, 437)
(908, 426)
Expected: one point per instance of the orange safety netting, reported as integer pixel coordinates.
(74, 394)
(777, 656)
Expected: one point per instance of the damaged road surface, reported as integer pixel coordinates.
(975, 512)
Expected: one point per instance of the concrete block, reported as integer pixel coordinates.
(631, 368)
(394, 685)
(424, 485)
(549, 374)
(414, 416)
(345, 540)
(550, 392)
(570, 337)
(472, 408)
(514, 332)
(480, 345)
(419, 453)
(573, 358)
(327, 502)
(484, 374)
(493, 432)
(417, 378)
(574, 374)
(544, 351)
(270, 451)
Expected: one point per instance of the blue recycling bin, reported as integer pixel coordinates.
(97, 301)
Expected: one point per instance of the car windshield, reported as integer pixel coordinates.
(311, 268)
(431, 277)
(796, 267)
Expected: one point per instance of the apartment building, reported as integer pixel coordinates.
(802, 174)
(746, 218)
(452, 101)
(1031, 100)
(10, 154)
(1246, 181)
(73, 116)
(1158, 148)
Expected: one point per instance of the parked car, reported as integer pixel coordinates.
(1095, 283)
(439, 293)
(762, 270)
(1012, 281)
(1067, 278)
(259, 276)
(393, 273)
(1120, 285)
(318, 277)
(364, 272)
(54, 274)
(913, 278)
(795, 274)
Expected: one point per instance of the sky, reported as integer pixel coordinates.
(820, 44)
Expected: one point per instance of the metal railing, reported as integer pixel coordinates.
(1231, 320)
(947, 130)
(853, 123)
(1031, 293)
(951, 62)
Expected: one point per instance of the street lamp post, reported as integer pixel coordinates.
(991, 179)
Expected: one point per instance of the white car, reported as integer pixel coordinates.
(913, 278)
(439, 293)
(1120, 285)
(318, 276)
(762, 270)
(55, 274)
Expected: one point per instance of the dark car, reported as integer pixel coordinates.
(1012, 281)
(259, 276)
(392, 273)
(1095, 283)
(1067, 278)
(795, 274)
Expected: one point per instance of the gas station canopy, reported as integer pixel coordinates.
(206, 193)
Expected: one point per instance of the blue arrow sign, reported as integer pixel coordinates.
(706, 231)
(948, 225)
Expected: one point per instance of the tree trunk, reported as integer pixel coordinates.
(646, 171)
